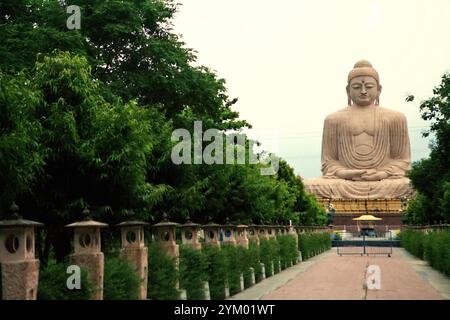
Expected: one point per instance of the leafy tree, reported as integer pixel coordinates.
(418, 210)
(431, 176)
(83, 149)
(21, 154)
(130, 46)
(314, 214)
(89, 124)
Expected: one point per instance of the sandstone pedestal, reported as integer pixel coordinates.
(134, 250)
(138, 257)
(172, 250)
(20, 280)
(93, 263)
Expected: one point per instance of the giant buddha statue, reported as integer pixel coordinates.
(365, 147)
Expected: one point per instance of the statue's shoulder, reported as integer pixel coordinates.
(392, 114)
(338, 115)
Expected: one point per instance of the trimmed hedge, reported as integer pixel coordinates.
(288, 250)
(162, 275)
(311, 244)
(216, 271)
(233, 266)
(245, 263)
(254, 258)
(121, 281)
(212, 264)
(269, 253)
(227, 263)
(192, 272)
(413, 241)
(433, 247)
(53, 283)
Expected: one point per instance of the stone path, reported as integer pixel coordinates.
(332, 277)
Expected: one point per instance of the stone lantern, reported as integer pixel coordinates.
(229, 231)
(241, 235)
(279, 230)
(211, 231)
(271, 231)
(189, 234)
(134, 250)
(292, 231)
(165, 236)
(164, 233)
(87, 251)
(282, 230)
(253, 233)
(190, 237)
(300, 229)
(286, 229)
(263, 231)
(20, 269)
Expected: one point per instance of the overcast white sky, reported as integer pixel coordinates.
(287, 61)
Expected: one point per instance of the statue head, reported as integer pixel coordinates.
(363, 86)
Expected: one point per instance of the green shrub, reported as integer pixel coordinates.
(121, 282)
(269, 252)
(254, 259)
(245, 262)
(265, 255)
(425, 244)
(275, 253)
(192, 272)
(162, 275)
(414, 242)
(437, 250)
(216, 271)
(53, 283)
(288, 251)
(443, 245)
(233, 267)
(433, 247)
(311, 244)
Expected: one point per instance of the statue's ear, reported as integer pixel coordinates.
(377, 102)
(349, 100)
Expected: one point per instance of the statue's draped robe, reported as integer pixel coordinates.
(389, 152)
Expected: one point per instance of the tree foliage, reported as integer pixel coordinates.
(86, 120)
(431, 176)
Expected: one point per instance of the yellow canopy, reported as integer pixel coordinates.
(367, 217)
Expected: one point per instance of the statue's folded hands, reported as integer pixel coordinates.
(350, 174)
(376, 176)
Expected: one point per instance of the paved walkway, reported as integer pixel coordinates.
(331, 277)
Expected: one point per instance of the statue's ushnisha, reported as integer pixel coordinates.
(365, 147)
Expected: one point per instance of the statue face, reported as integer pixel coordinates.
(363, 90)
